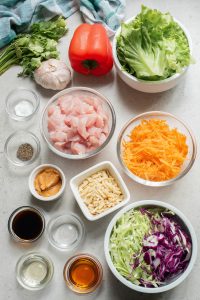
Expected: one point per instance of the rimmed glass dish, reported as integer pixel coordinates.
(44, 122)
(79, 258)
(24, 101)
(65, 232)
(15, 140)
(173, 122)
(34, 271)
(20, 219)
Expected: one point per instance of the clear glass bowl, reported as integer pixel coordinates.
(65, 232)
(44, 122)
(22, 211)
(15, 140)
(34, 271)
(67, 268)
(24, 98)
(173, 122)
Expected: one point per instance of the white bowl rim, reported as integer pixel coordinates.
(98, 149)
(149, 82)
(32, 176)
(187, 224)
(156, 183)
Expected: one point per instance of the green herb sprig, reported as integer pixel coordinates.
(30, 49)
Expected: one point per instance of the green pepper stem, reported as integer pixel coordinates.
(90, 64)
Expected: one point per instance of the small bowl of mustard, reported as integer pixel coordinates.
(47, 182)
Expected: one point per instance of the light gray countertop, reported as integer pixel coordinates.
(183, 101)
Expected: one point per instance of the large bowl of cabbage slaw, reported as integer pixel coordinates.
(150, 246)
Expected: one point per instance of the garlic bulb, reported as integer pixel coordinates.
(53, 74)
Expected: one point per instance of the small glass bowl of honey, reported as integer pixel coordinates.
(83, 273)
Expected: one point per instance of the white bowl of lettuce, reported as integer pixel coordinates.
(152, 51)
(150, 246)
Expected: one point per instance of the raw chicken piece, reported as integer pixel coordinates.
(60, 146)
(72, 133)
(78, 123)
(82, 128)
(85, 109)
(101, 112)
(51, 110)
(106, 129)
(58, 136)
(64, 98)
(66, 106)
(102, 138)
(65, 128)
(72, 121)
(93, 141)
(99, 121)
(91, 119)
(51, 125)
(75, 138)
(93, 101)
(56, 120)
(94, 131)
(63, 146)
(78, 148)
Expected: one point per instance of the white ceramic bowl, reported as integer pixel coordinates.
(143, 85)
(188, 227)
(78, 179)
(32, 178)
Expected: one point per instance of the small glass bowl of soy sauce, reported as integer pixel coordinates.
(26, 224)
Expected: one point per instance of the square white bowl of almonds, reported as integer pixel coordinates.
(99, 190)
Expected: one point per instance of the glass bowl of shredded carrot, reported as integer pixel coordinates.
(156, 148)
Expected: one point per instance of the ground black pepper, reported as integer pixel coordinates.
(25, 152)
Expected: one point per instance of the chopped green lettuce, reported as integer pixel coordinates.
(153, 46)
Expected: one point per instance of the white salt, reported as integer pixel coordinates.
(23, 108)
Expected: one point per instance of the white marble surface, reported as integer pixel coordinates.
(183, 101)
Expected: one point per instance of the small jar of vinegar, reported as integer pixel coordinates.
(83, 273)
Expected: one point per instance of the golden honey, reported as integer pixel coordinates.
(83, 273)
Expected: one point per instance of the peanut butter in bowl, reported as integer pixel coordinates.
(48, 182)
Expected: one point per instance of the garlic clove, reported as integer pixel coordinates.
(53, 74)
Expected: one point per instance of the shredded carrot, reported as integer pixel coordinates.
(154, 151)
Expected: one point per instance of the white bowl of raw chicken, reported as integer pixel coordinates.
(77, 122)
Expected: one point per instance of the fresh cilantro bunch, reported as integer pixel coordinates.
(29, 50)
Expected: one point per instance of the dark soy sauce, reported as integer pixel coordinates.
(27, 224)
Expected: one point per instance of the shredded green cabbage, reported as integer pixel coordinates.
(126, 239)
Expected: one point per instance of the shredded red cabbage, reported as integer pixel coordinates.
(167, 249)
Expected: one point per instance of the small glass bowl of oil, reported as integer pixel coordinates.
(34, 271)
(83, 273)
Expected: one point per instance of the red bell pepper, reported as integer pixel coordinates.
(90, 50)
